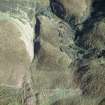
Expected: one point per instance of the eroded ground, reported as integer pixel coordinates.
(69, 67)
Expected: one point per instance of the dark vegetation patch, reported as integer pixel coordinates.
(101, 54)
(102, 102)
(58, 8)
(37, 44)
(37, 27)
(97, 14)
